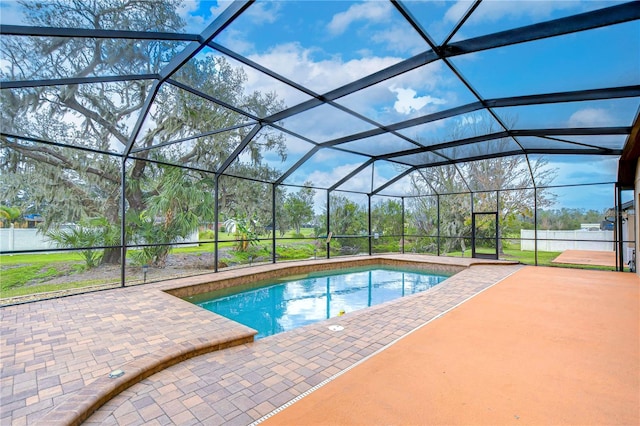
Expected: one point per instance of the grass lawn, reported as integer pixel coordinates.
(529, 257)
(18, 270)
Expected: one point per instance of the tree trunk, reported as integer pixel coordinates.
(111, 256)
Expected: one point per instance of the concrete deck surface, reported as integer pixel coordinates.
(586, 257)
(546, 346)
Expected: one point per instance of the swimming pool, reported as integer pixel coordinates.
(271, 307)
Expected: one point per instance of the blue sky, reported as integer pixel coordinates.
(326, 44)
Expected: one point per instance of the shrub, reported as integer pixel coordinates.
(297, 251)
(207, 234)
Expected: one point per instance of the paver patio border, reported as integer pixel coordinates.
(79, 405)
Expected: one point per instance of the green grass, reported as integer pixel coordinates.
(40, 258)
(18, 270)
(529, 257)
(19, 275)
(295, 251)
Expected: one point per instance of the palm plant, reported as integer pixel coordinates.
(9, 214)
(178, 203)
(243, 231)
(83, 237)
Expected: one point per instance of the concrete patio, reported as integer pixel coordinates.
(184, 365)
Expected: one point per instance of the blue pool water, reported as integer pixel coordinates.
(274, 307)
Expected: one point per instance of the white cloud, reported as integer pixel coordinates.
(297, 63)
(194, 23)
(219, 7)
(591, 117)
(259, 13)
(326, 179)
(264, 13)
(369, 11)
(455, 12)
(400, 39)
(236, 40)
(407, 101)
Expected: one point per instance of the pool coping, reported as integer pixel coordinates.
(285, 270)
(79, 405)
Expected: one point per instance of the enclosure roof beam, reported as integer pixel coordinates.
(234, 10)
(247, 139)
(408, 123)
(412, 63)
(585, 21)
(583, 151)
(573, 96)
(575, 131)
(240, 58)
(519, 152)
(581, 131)
(603, 17)
(462, 20)
(445, 145)
(146, 106)
(213, 99)
(218, 25)
(20, 30)
(556, 97)
(298, 164)
(58, 144)
(392, 181)
(199, 135)
(22, 84)
(352, 174)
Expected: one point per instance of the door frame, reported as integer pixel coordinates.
(475, 254)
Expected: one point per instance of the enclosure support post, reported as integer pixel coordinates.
(273, 222)
(498, 240)
(216, 218)
(369, 222)
(123, 233)
(619, 243)
(328, 221)
(473, 233)
(535, 224)
(438, 219)
(402, 235)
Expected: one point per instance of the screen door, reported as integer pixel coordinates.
(484, 238)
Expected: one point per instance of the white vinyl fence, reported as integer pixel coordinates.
(17, 239)
(12, 239)
(567, 240)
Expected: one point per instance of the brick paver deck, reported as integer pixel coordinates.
(56, 354)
